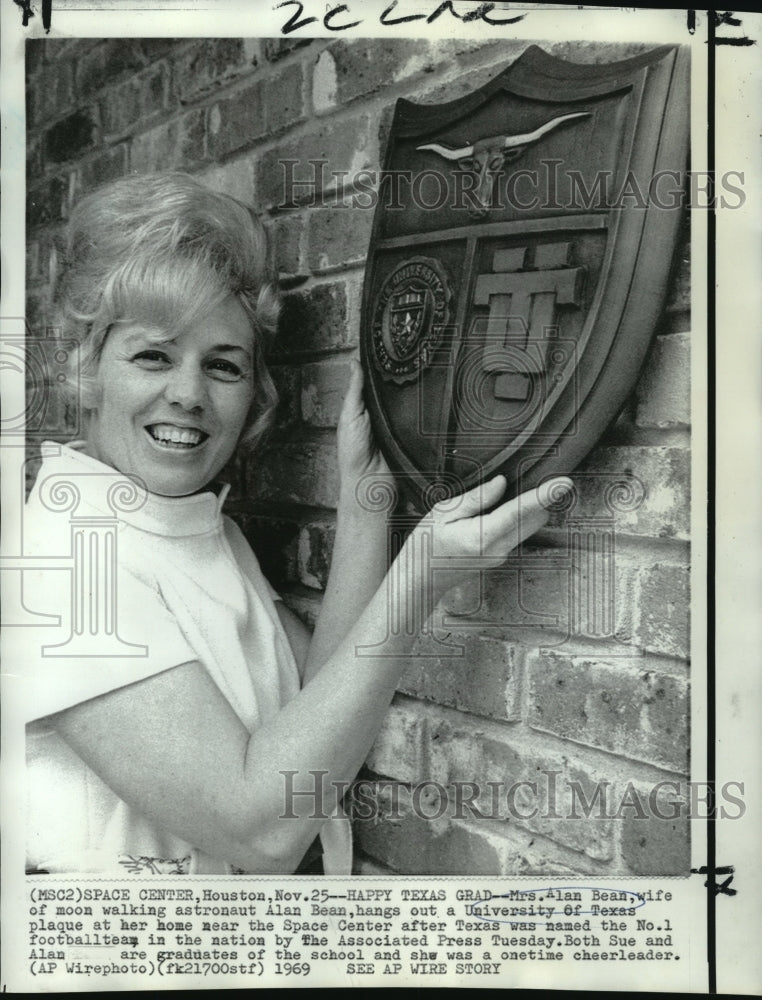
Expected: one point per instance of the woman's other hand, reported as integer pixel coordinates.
(359, 457)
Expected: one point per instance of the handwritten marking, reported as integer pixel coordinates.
(480, 13)
(721, 887)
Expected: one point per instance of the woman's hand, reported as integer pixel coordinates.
(462, 537)
(358, 454)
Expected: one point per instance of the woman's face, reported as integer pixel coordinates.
(171, 409)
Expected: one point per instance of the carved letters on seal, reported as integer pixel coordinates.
(409, 316)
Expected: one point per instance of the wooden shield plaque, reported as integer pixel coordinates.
(520, 258)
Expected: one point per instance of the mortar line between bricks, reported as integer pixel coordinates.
(595, 759)
(606, 648)
(631, 547)
(502, 828)
(507, 832)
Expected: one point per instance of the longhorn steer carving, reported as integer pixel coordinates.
(485, 157)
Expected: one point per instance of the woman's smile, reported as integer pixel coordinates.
(170, 408)
(173, 436)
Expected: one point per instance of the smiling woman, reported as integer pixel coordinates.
(170, 409)
(166, 748)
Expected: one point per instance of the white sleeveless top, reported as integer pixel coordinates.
(187, 587)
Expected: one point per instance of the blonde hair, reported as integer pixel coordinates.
(165, 250)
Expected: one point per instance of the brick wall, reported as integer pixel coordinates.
(526, 701)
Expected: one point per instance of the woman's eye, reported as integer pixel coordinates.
(226, 370)
(151, 359)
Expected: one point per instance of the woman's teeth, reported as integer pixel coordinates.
(181, 437)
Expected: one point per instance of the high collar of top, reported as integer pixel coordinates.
(112, 494)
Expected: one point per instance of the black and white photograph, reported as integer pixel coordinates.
(360, 473)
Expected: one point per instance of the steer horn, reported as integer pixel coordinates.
(485, 157)
(502, 142)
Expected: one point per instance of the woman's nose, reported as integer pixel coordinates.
(186, 387)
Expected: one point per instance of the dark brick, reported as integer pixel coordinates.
(288, 383)
(34, 55)
(34, 161)
(178, 143)
(413, 845)
(72, 136)
(48, 202)
(285, 235)
(32, 260)
(50, 93)
(366, 66)
(284, 100)
(158, 48)
(631, 707)
(102, 168)
(135, 100)
(211, 64)
(324, 386)
(314, 320)
(286, 175)
(50, 411)
(238, 121)
(39, 252)
(64, 48)
(277, 48)
(302, 472)
(338, 237)
(663, 394)
(109, 60)
(275, 543)
(484, 680)
(37, 310)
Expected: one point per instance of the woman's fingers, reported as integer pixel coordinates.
(514, 522)
(473, 501)
(553, 491)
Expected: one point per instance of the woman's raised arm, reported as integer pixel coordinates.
(172, 746)
(360, 558)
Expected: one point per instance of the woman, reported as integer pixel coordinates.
(170, 754)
